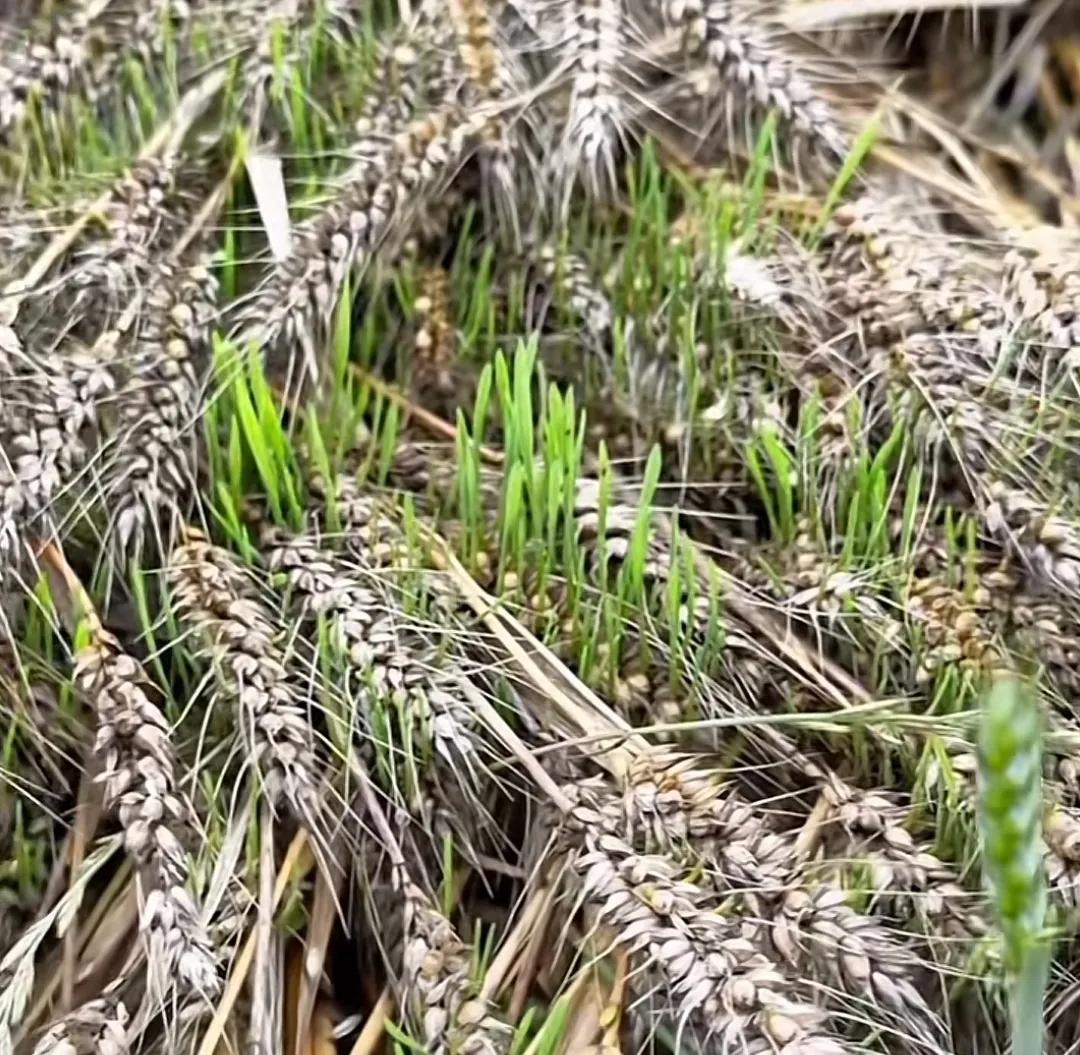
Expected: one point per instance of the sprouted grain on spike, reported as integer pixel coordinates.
(665, 498)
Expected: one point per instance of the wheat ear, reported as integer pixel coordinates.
(214, 596)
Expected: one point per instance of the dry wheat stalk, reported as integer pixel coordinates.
(213, 595)
(133, 740)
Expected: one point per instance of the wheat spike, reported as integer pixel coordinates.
(686, 810)
(152, 477)
(1045, 627)
(1061, 857)
(905, 877)
(77, 55)
(1041, 295)
(50, 406)
(147, 211)
(436, 989)
(1049, 545)
(592, 52)
(133, 740)
(368, 630)
(374, 203)
(434, 373)
(754, 66)
(57, 397)
(721, 984)
(565, 277)
(214, 596)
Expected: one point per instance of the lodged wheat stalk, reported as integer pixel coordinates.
(133, 740)
(214, 596)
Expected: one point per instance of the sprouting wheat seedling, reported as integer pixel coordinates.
(1010, 819)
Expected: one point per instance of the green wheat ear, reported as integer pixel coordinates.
(1010, 822)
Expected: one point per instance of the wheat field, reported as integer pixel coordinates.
(510, 511)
